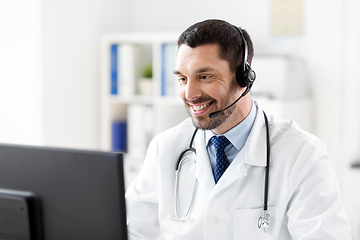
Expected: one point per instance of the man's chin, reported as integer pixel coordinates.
(204, 122)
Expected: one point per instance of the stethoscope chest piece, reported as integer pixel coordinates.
(264, 221)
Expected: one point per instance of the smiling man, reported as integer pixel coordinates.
(207, 84)
(205, 178)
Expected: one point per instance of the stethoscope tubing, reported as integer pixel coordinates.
(190, 148)
(179, 163)
(266, 189)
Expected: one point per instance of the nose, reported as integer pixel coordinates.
(192, 90)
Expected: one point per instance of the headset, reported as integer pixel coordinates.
(245, 76)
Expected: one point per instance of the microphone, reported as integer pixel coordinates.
(215, 114)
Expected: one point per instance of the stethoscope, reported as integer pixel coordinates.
(263, 221)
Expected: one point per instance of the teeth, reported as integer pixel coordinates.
(200, 107)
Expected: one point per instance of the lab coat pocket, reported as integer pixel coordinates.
(246, 224)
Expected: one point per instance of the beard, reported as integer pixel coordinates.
(204, 122)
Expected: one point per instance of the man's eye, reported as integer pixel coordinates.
(204, 77)
(181, 79)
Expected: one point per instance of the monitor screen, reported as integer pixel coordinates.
(56, 194)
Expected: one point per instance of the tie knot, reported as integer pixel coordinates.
(220, 142)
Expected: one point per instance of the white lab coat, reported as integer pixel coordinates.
(304, 198)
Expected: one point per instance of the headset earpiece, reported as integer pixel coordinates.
(245, 76)
(239, 77)
(249, 75)
(244, 79)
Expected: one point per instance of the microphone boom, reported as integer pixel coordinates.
(215, 114)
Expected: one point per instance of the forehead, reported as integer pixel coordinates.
(206, 51)
(207, 55)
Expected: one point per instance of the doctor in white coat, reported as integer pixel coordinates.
(213, 69)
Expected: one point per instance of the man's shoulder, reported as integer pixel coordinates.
(185, 125)
(185, 128)
(288, 130)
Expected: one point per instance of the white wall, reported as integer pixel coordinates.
(71, 32)
(20, 72)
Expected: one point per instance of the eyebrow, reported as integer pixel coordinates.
(177, 72)
(201, 70)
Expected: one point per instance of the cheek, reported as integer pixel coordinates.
(218, 91)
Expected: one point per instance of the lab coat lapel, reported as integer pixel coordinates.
(202, 169)
(234, 172)
(255, 146)
(203, 172)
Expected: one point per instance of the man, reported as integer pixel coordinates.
(221, 196)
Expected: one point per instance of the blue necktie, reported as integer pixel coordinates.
(222, 162)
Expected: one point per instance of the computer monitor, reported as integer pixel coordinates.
(57, 194)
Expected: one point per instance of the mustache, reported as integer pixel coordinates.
(199, 100)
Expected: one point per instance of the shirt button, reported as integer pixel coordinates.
(214, 220)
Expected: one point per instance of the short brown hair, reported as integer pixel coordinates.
(222, 33)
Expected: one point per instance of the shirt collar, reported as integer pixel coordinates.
(239, 134)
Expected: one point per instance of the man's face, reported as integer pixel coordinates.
(206, 84)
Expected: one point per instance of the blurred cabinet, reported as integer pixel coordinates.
(138, 93)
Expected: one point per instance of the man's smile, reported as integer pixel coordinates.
(201, 108)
